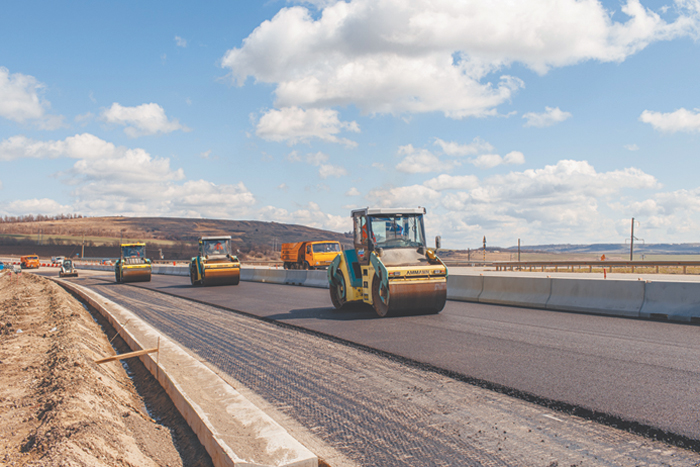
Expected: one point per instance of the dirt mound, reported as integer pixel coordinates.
(57, 407)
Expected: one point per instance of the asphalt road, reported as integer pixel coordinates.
(371, 409)
(636, 371)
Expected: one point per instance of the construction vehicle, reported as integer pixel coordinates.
(309, 255)
(390, 266)
(215, 265)
(67, 269)
(29, 262)
(132, 265)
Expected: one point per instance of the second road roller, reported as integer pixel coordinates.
(215, 265)
(390, 266)
(132, 265)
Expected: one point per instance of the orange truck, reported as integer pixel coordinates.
(29, 262)
(309, 255)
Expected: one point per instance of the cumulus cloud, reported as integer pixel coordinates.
(404, 196)
(20, 101)
(296, 125)
(180, 42)
(44, 206)
(352, 192)
(489, 161)
(317, 159)
(547, 118)
(394, 57)
(421, 161)
(681, 120)
(110, 179)
(631, 147)
(142, 120)
(449, 182)
(311, 215)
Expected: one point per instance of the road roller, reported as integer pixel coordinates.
(390, 266)
(215, 265)
(133, 266)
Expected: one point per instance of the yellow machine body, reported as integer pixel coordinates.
(406, 278)
(133, 266)
(215, 265)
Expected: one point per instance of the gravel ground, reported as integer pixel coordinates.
(57, 407)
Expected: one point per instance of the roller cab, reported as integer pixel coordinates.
(390, 266)
(215, 265)
(133, 266)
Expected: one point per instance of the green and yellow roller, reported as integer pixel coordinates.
(390, 266)
(215, 265)
(132, 265)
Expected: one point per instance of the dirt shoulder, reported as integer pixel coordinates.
(57, 407)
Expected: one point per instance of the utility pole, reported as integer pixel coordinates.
(82, 254)
(518, 250)
(632, 241)
(484, 248)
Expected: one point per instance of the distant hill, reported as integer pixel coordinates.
(175, 236)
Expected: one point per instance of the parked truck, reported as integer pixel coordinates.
(133, 266)
(390, 266)
(309, 255)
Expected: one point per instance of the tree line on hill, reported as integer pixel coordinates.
(38, 218)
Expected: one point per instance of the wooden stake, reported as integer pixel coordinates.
(123, 356)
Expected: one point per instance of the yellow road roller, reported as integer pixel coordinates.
(390, 266)
(133, 266)
(215, 265)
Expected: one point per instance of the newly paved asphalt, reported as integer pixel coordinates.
(643, 372)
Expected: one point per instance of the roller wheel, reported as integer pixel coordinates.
(338, 294)
(381, 306)
(306, 265)
(193, 274)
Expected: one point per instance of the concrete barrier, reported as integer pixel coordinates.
(532, 292)
(317, 279)
(675, 301)
(464, 288)
(295, 277)
(603, 297)
(234, 431)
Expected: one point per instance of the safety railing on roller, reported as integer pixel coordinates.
(664, 267)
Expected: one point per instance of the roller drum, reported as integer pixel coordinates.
(227, 276)
(412, 298)
(136, 274)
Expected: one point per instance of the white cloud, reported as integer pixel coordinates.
(317, 158)
(631, 147)
(142, 120)
(489, 161)
(514, 158)
(295, 125)
(310, 215)
(547, 118)
(405, 196)
(180, 42)
(21, 102)
(455, 149)
(327, 170)
(35, 206)
(680, 120)
(352, 192)
(449, 182)
(394, 57)
(421, 161)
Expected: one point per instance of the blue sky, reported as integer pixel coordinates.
(550, 121)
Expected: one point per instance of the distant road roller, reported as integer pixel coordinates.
(390, 266)
(215, 265)
(133, 266)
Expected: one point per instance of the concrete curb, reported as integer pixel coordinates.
(675, 301)
(234, 432)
